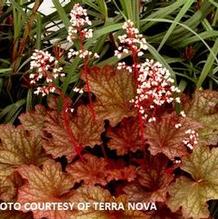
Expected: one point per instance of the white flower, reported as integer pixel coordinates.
(182, 113)
(178, 125)
(79, 20)
(131, 41)
(192, 138)
(154, 88)
(46, 68)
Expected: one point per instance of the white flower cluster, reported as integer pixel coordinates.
(82, 54)
(154, 89)
(132, 41)
(78, 90)
(45, 90)
(123, 65)
(79, 19)
(191, 140)
(45, 67)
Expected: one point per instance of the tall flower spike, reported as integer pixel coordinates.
(79, 30)
(131, 41)
(79, 20)
(45, 70)
(134, 43)
(155, 88)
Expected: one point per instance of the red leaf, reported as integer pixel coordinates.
(95, 170)
(193, 193)
(125, 137)
(86, 130)
(164, 137)
(151, 182)
(34, 120)
(100, 195)
(203, 107)
(17, 147)
(46, 185)
(9, 214)
(164, 212)
(113, 90)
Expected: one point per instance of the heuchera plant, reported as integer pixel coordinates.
(127, 144)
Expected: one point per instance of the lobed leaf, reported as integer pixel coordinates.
(93, 170)
(113, 90)
(100, 195)
(203, 107)
(15, 215)
(193, 193)
(34, 120)
(164, 212)
(125, 137)
(163, 137)
(17, 147)
(48, 184)
(152, 181)
(86, 130)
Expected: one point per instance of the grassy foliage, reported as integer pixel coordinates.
(181, 34)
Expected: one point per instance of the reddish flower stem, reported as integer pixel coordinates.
(86, 72)
(135, 75)
(71, 136)
(91, 106)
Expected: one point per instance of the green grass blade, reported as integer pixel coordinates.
(103, 8)
(62, 13)
(182, 12)
(190, 30)
(38, 31)
(159, 58)
(181, 43)
(162, 13)
(208, 65)
(214, 3)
